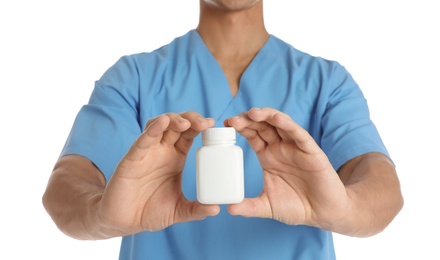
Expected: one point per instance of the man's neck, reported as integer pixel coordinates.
(232, 34)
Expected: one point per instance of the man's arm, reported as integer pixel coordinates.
(73, 191)
(301, 187)
(148, 178)
(374, 191)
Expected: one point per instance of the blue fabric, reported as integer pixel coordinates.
(318, 94)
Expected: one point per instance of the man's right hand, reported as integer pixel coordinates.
(145, 191)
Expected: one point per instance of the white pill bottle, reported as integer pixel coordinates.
(219, 167)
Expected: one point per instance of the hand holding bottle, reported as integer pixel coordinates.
(300, 184)
(145, 191)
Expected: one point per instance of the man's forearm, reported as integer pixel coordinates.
(71, 198)
(375, 196)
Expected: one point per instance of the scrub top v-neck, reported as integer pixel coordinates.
(198, 76)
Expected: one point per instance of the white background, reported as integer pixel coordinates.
(51, 52)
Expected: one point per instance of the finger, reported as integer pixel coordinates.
(151, 135)
(193, 210)
(241, 124)
(251, 207)
(266, 131)
(287, 129)
(291, 131)
(258, 133)
(229, 122)
(198, 124)
(176, 127)
(240, 121)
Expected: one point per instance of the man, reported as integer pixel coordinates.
(314, 162)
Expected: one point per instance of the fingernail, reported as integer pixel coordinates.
(202, 119)
(181, 119)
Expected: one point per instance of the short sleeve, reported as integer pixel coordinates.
(106, 127)
(347, 129)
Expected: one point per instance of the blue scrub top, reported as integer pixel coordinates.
(318, 94)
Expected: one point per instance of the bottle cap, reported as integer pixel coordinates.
(218, 134)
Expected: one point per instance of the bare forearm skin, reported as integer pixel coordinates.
(374, 193)
(71, 198)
